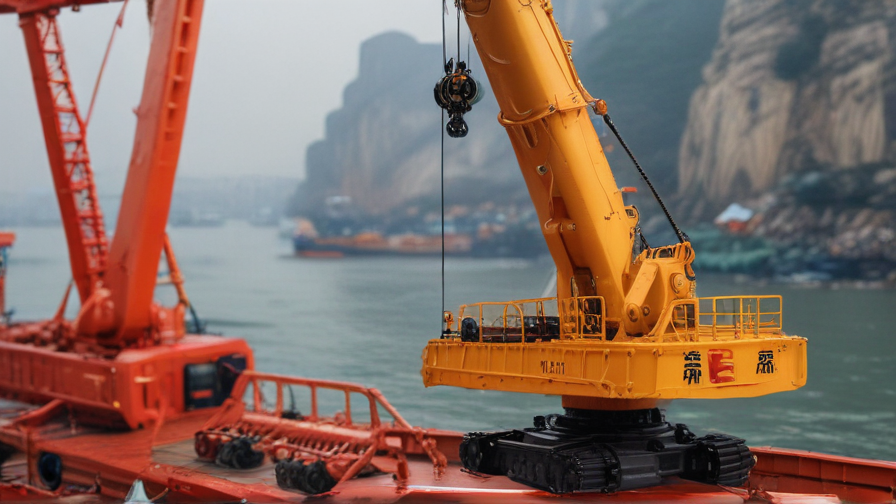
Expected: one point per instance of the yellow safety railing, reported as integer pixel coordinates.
(534, 319)
(679, 322)
(508, 320)
(720, 317)
(741, 316)
(583, 317)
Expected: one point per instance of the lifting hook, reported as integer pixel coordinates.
(457, 92)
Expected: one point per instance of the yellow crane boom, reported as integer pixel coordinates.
(626, 328)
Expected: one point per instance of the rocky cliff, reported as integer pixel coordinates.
(792, 86)
(749, 100)
(646, 64)
(382, 148)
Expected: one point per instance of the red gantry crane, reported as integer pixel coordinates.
(125, 359)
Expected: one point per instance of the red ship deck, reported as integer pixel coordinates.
(166, 463)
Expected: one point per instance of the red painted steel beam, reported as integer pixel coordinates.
(65, 137)
(797, 471)
(29, 6)
(140, 232)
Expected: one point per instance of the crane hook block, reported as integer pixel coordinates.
(456, 93)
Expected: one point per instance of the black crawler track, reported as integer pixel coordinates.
(311, 478)
(594, 451)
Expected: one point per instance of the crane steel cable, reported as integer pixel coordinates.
(442, 178)
(455, 93)
(600, 108)
(457, 9)
(444, 50)
(119, 22)
(442, 165)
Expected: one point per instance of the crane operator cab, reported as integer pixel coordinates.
(209, 384)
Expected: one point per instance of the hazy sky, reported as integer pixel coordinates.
(267, 73)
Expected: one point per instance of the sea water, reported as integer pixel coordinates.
(368, 319)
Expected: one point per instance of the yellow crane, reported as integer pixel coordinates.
(626, 329)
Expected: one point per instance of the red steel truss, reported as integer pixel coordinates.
(65, 135)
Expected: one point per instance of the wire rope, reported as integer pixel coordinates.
(457, 8)
(442, 155)
(444, 50)
(682, 236)
(442, 177)
(119, 22)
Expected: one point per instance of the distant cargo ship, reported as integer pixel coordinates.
(372, 243)
(307, 242)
